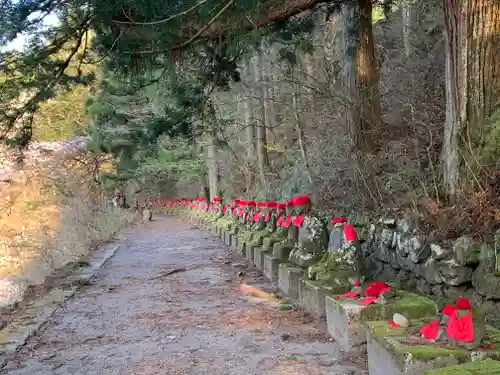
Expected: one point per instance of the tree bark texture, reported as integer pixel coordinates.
(472, 51)
(265, 102)
(363, 113)
(407, 20)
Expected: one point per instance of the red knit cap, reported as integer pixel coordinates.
(300, 200)
(261, 204)
(463, 304)
(271, 204)
(242, 203)
(282, 206)
(251, 203)
(289, 204)
(339, 220)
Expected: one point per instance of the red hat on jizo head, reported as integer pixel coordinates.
(251, 203)
(271, 204)
(300, 200)
(289, 204)
(242, 203)
(261, 204)
(281, 206)
(217, 199)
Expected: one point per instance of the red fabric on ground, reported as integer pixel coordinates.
(431, 330)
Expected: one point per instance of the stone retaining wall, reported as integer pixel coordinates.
(394, 250)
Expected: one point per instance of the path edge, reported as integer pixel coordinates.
(17, 333)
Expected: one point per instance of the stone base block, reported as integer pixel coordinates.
(241, 247)
(343, 320)
(289, 277)
(271, 267)
(258, 257)
(390, 353)
(312, 296)
(249, 251)
(281, 252)
(226, 238)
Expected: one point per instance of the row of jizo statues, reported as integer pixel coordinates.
(292, 232)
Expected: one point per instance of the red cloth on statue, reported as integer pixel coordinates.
(368, 301)
(448, 310)
(339, 220)
(267, 217)
(256, 217)
(431, 330)
(299, 220)
(240, 213)
(350, 233)
(377, 288)
(287, 222)
(280, 220)
(461, 329)
(348, 295)
(247, 217)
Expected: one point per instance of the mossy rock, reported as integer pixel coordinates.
(397, 342)
(486, 367)
(328, 288)
(412, 305)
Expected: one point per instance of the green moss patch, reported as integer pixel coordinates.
(412, 305)
(486, 367)
(327, 288)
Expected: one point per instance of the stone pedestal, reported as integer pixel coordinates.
(312, 298)
(289, 277)
(343, 320)
(279, 251)
(271, 267)
(390, 354)
(249, 251)
(258, 257)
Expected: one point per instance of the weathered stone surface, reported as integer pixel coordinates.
(466, 251)
(438, 253)
(486, 283)
(455, 292)
(453, 274)
(388, 353)
(383, 250)
(289, 277)
(430, 271)
(343, 322)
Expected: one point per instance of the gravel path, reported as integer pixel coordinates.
(139, 318)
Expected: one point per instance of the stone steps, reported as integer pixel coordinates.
(356, 328)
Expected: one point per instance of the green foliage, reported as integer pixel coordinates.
(138, 41)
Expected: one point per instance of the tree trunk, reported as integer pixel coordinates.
(211, 162)
(300, 133)
(472, 51)
(361, 77)
(262, 76)
(407, 9)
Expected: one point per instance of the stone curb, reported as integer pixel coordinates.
(17, 333)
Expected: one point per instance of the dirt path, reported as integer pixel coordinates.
(138, 319)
